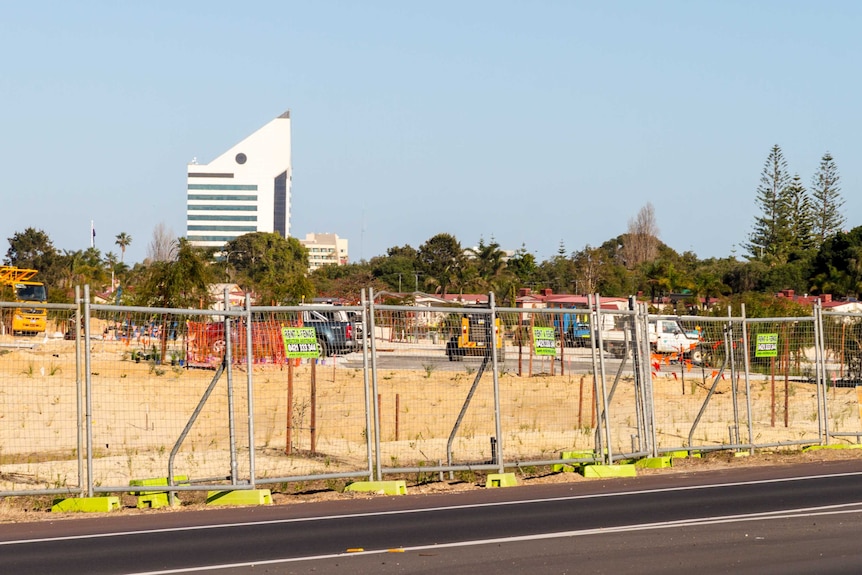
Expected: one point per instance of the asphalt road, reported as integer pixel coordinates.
(800, 519)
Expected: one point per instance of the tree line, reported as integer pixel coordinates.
(797, 242)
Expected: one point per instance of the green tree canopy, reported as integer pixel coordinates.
(798, 220)
(767, 240)
(837, 267)
(182, 282)
(33, 249)
(827, 201)
(272, 267)
(441, 260)
(398, 270)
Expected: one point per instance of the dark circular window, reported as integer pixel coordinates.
(240, 158)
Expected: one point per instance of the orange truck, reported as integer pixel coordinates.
(18, 284)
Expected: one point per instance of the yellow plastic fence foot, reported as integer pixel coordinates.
(604, 471)
(241, 497)
(501, 480)
(380, 487)
(834, 446)
(155, 499)
(569, 467)
(86, 504)
(654, 462)
(683, 454)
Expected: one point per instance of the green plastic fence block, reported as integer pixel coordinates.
(655, 462)
(241, 497)
(605, 471)
(86, 504)
(155, 499)
(381, 487)
(741, 453)
(501, 480)
(563, 468)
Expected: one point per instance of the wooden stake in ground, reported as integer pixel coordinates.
(313, 406)
(786, 362)
(581, 403)
(772, 380)
(397, 415)
(289, 430)
(530, 343)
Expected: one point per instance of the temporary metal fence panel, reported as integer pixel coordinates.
(153, 373)
(434, 396)
(547, 389)
(842, 345)
(622, 390)
(40, 443)
(309, 413)
(785, 398)
(699, 394)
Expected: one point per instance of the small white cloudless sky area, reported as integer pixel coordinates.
(532, 124)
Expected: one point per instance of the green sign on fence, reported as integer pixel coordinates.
(543, 341)
(767, 345)
(300, 342)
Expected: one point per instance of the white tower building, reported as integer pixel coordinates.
(245, 189)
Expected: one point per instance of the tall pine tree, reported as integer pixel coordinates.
(797, 222)
(768, 241)
(828, 218)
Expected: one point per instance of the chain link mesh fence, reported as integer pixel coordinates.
(224, 397)
(40, 414)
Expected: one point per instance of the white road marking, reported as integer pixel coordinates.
(789, 514)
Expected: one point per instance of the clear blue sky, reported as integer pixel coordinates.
(532, 123)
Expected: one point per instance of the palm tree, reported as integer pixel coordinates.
(123, 240)
(489, 262)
